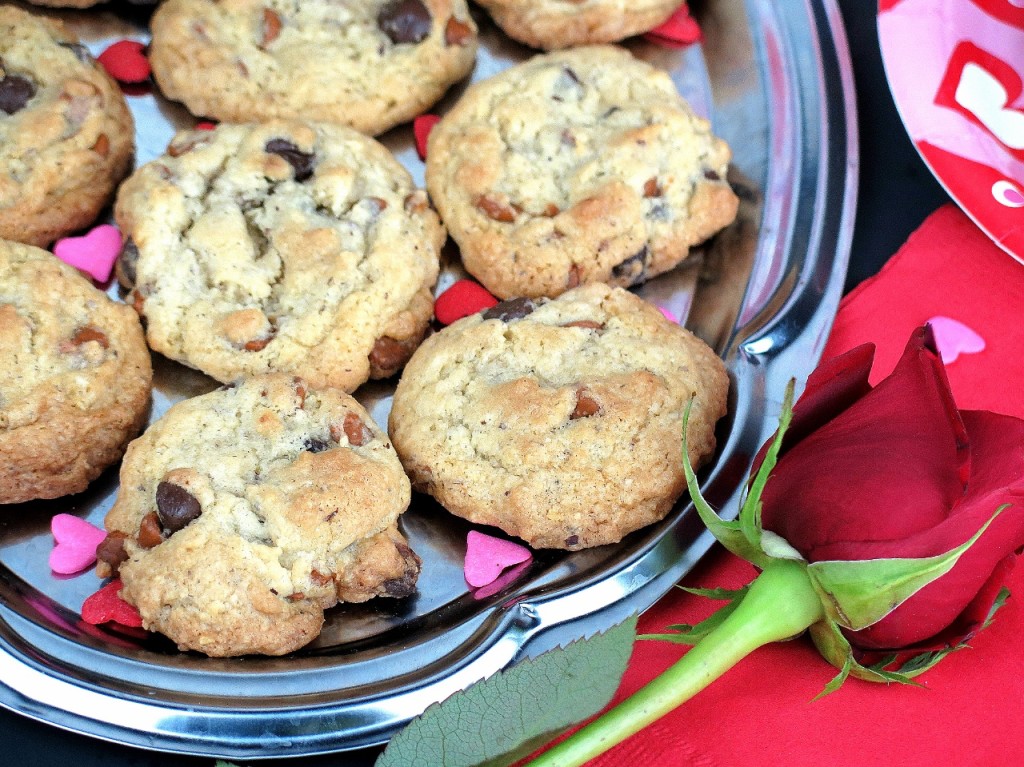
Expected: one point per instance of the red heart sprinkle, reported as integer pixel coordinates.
(205, 125)
(462, 299)
(105, 606)
(421, 128)
(126, 61)
(678, 31)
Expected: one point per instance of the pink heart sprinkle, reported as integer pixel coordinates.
(953, 338)
(678, 31)
(668, 315)
(76, 542)
(105, 606)
(509, 576)
(487, 556)
(93, 253)
(421, 128)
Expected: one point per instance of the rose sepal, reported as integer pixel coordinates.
(745, 536)
(857, 593)
(830, 641)
(684, 633)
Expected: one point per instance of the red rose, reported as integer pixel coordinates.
(896, 471)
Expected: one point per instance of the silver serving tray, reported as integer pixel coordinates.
(775, 80)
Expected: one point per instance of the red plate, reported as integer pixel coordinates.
(956, 69)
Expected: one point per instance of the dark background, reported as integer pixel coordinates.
(896, 194)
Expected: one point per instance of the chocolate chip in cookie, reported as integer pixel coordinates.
(176, 507)
(405, 21)
(632, 270)
(304, 163)
(15, 92)
(513, 309)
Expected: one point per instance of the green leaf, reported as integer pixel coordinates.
(858, 593)
(503, 718)
(728, 534)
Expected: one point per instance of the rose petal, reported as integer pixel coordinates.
(105, 606)
(462, 299)
(889, 466)
(76, 541)
(487, 556)
(997, 445)
(830, 390)
(421, 128)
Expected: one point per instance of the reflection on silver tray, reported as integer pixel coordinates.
(775, 80)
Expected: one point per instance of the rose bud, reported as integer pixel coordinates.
(883, 520)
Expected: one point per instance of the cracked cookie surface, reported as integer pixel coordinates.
(558, 421)
(75, 377)
(576, 167)
(66, 135)
(244, 513)
(284, 246)
(369, 65)
(551, 24)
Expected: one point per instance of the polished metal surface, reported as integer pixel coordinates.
(775, 80)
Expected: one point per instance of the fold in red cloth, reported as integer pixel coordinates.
(970, 713)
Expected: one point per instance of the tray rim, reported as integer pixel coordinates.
(782, 338)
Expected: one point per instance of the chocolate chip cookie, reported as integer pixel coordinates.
(558, 421)
(284, 246)
(551, 24)
(369, 65)
(74, 377)
(576, 167)
(66, 135)
(243, 514)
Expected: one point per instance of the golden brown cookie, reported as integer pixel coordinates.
(74, 377)
(558, 421)
(576, 167)
(244, 513)
(369, 65)
(66, 135)
(551, 24)
(283, 246)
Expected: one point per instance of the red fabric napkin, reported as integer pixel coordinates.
(970, 712)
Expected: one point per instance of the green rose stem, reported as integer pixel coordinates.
(780, 604)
